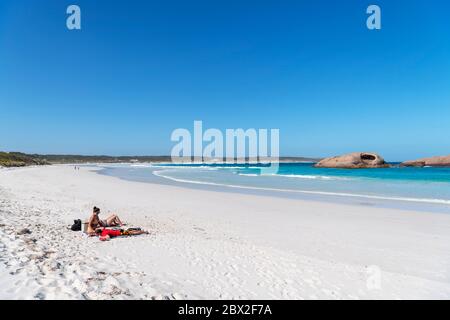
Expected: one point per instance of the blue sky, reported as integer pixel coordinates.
(139, 69)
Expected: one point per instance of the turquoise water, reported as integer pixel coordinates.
(409, 188)
(307, 170)
(428, 185)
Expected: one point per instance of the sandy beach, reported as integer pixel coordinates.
(209, 245)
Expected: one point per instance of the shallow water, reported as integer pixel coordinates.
(416, 188)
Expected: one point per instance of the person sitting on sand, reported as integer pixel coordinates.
(107, 234)
(95, 222)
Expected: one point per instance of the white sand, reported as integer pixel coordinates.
(206, 244)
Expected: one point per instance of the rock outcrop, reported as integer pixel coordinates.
(443, 161)
(356, 160)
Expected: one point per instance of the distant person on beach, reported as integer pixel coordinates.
(95, 222)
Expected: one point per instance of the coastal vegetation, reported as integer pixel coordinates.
(18, 159)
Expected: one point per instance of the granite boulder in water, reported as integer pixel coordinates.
(355, 160)
(443, 161)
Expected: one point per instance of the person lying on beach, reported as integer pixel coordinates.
(107, 234)
(95, 222)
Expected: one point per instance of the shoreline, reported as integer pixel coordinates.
(210, 245)
(379, 201)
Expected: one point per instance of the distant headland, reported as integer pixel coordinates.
(18, 159)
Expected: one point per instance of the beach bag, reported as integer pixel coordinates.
(76, 225)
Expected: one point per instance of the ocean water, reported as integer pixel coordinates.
(422, 188)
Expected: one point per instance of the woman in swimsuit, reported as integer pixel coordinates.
(95, 222)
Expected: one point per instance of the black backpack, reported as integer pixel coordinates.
(76, 225)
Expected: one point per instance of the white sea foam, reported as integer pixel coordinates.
(186, 167)
(341, 194)
(306, 176)
(215, 167)
(298, 176)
